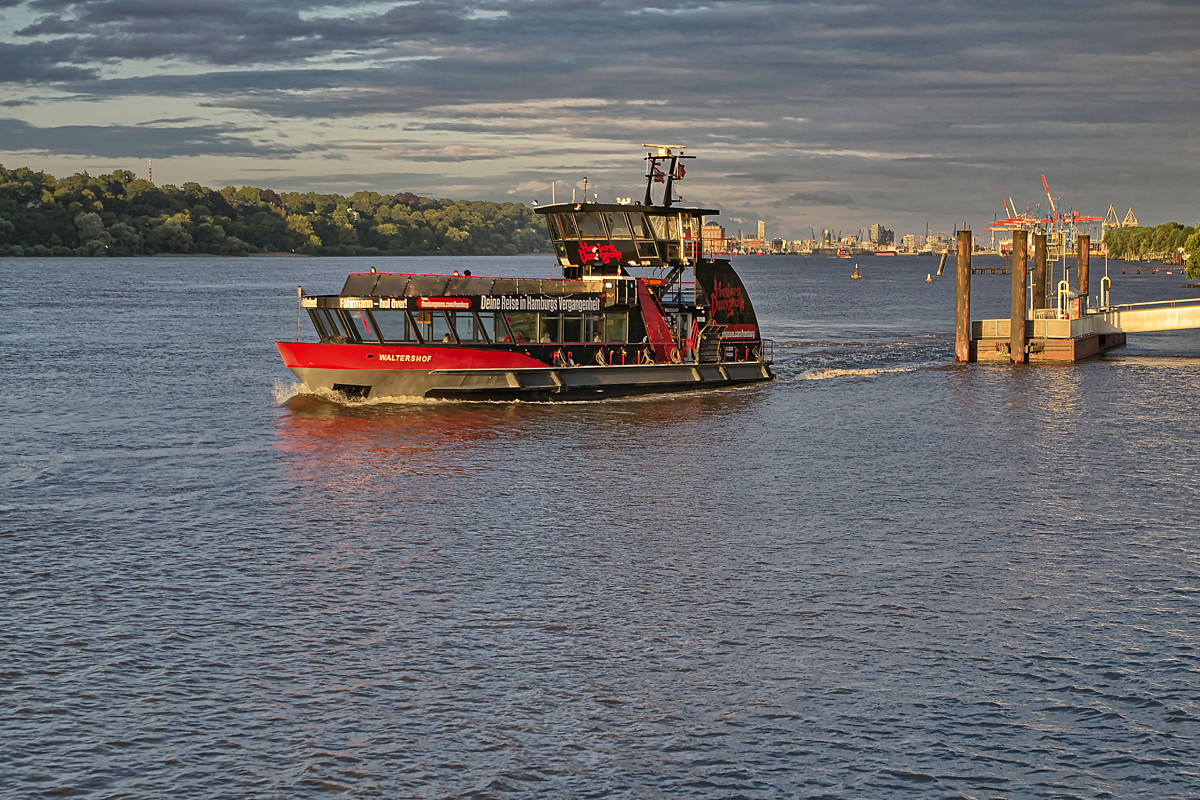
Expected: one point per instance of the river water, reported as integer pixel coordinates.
(882, 575)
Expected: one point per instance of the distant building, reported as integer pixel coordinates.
(909, 242)
(762, 231)
(882, 236)
(714, 239)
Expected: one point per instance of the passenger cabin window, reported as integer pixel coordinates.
(524, 326)
(394, 325)
(466, 327)
(335, 325)
(441, 328)
(551, 328)
(318, 320)
(492, 325)
(430, 326)
(616, 327)
(362, 324)
(572, 328)
(593, 328)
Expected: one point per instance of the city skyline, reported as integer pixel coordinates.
(816, 115)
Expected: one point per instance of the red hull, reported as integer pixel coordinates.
(309, 355)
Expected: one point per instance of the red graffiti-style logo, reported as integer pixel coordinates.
(728, 299)
(603, 253)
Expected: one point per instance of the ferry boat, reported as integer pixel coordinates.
(639, 309)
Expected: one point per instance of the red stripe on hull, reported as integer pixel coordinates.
(310, 355)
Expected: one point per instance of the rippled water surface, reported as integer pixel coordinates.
(882, 575)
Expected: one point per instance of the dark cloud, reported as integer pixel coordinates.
(883, 106)
(39, 63)
(820, 199)
(137, 141)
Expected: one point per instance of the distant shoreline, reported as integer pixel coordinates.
(278, 254)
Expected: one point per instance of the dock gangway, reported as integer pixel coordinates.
(1159, 315)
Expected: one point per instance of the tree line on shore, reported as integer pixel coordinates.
(1166, 242)
(120, 214)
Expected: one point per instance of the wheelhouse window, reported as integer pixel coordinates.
(566, 223)
(658, 224)
(618, 226)
(591, 226)
(638, 226)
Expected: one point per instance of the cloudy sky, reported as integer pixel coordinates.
(804, 114)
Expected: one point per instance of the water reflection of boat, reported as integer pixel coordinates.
(639, 309)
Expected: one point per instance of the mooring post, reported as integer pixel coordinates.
(1016, 330)
(1083, 255)
(1039, 271)
(962, 299)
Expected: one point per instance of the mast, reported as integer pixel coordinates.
(655, 174)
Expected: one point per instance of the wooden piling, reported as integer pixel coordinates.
(1083, 255)
(1016, 336)
(1039, 271)
(962, 299)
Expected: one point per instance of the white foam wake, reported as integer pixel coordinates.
(834, 372)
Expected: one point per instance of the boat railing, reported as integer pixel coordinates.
(682, 296)
(738, 352)
(685, 249)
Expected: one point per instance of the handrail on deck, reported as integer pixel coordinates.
(1190, 301)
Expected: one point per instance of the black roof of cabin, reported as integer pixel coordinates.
(664, 211)
(397, 284)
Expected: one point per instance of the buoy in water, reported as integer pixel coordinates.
(928, 277)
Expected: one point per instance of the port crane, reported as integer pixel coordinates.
(1060, 226)
(1065, 223)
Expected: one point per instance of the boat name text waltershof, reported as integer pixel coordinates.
(404, 357)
